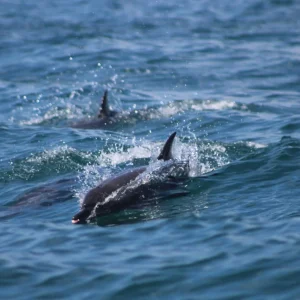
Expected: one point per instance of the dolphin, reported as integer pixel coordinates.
(131, 187)
(105, 117)
(42, 196)
(47, 194)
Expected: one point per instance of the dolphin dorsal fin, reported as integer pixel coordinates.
(166, 152)
(104, 109)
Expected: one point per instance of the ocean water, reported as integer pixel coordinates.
(224, 75)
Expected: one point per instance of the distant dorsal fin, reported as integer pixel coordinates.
(166, 152)
(104, 109)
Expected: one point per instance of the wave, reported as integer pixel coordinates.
(62, 113)
(61, 159)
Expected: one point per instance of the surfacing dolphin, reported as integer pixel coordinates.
(105, 116)
(129, 188)
(41, 196)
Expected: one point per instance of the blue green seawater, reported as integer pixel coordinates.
(224, 74)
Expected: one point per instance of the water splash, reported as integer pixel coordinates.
(192, 159)
(60, 110)
(55, 115)
(121, 155)
(256, 145)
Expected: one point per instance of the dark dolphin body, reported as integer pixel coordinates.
(105, 117)
(47, 194)
(41, 196)
(124, 190)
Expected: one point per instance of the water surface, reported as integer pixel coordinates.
(224, 75)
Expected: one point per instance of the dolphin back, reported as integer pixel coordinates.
(166, 152)
(104, 109)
